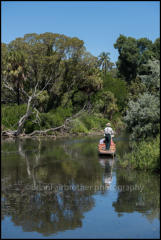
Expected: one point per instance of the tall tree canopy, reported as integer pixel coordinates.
(55, 58)
(133, 54)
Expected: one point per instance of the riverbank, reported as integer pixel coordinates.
(56, 125)
(143, 155)
(57, 135)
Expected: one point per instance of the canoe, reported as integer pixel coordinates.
(102, 149)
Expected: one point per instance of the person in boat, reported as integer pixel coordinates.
(108, 133)
(102, 141)
(107, 164)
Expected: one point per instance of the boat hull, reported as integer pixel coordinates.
(102, 149)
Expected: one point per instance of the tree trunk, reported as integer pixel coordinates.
(24, 118)
(18, 93)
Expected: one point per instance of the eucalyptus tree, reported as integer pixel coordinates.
(16, 66)
(82, 78)
(46, 67)
(6, 95)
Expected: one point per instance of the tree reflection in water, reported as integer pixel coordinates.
(45, 191)
(138, 191)
(47, 185)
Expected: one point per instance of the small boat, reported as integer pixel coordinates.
(102, 148)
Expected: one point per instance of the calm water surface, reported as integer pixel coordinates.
(63, 189)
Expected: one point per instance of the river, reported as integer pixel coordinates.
(63, 189)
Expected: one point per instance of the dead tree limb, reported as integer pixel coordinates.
(45, 131)
(66, 122)
(30, 110)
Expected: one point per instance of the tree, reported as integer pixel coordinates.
(133, 54)
(118, 87)
(151, 78)
(6, 95)
(128, 59)
(105, 102)
(16, 67)
(104, 62)
(156, 48)
(49, 68)
(143, 113)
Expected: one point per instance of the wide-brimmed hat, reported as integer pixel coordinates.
(108, 124)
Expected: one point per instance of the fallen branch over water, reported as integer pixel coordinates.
(10, 133)
(45, 131)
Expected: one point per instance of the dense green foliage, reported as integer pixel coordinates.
(118, 87)
(143, 121)
(11, 115)
(64, 74)
(143, 116)
(133, 53)
(145, 155)
(62, 78)
(59, 60)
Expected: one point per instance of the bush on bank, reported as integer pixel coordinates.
(145, 155)
(11, 114)
(85, 123)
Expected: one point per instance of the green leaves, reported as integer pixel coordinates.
(151, 78)
(105, 102)
(143, 116)
(104, 62)
(145, 155)
(40, 58)
(133, 53)
(118, 87)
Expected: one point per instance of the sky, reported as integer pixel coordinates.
(97, 23)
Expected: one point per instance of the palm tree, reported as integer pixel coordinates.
(104, 61)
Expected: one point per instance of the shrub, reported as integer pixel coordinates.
(143, 116)
(88, 121)
(144, 156)
(11, 114)
(78, 127)
(30, 126)
(55, 117)
(96, 121)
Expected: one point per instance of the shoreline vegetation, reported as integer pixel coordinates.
(77, 128)
(51, 85)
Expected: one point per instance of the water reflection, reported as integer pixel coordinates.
(107, 163)
(47, 186)
(138, 191)
(45, 192)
